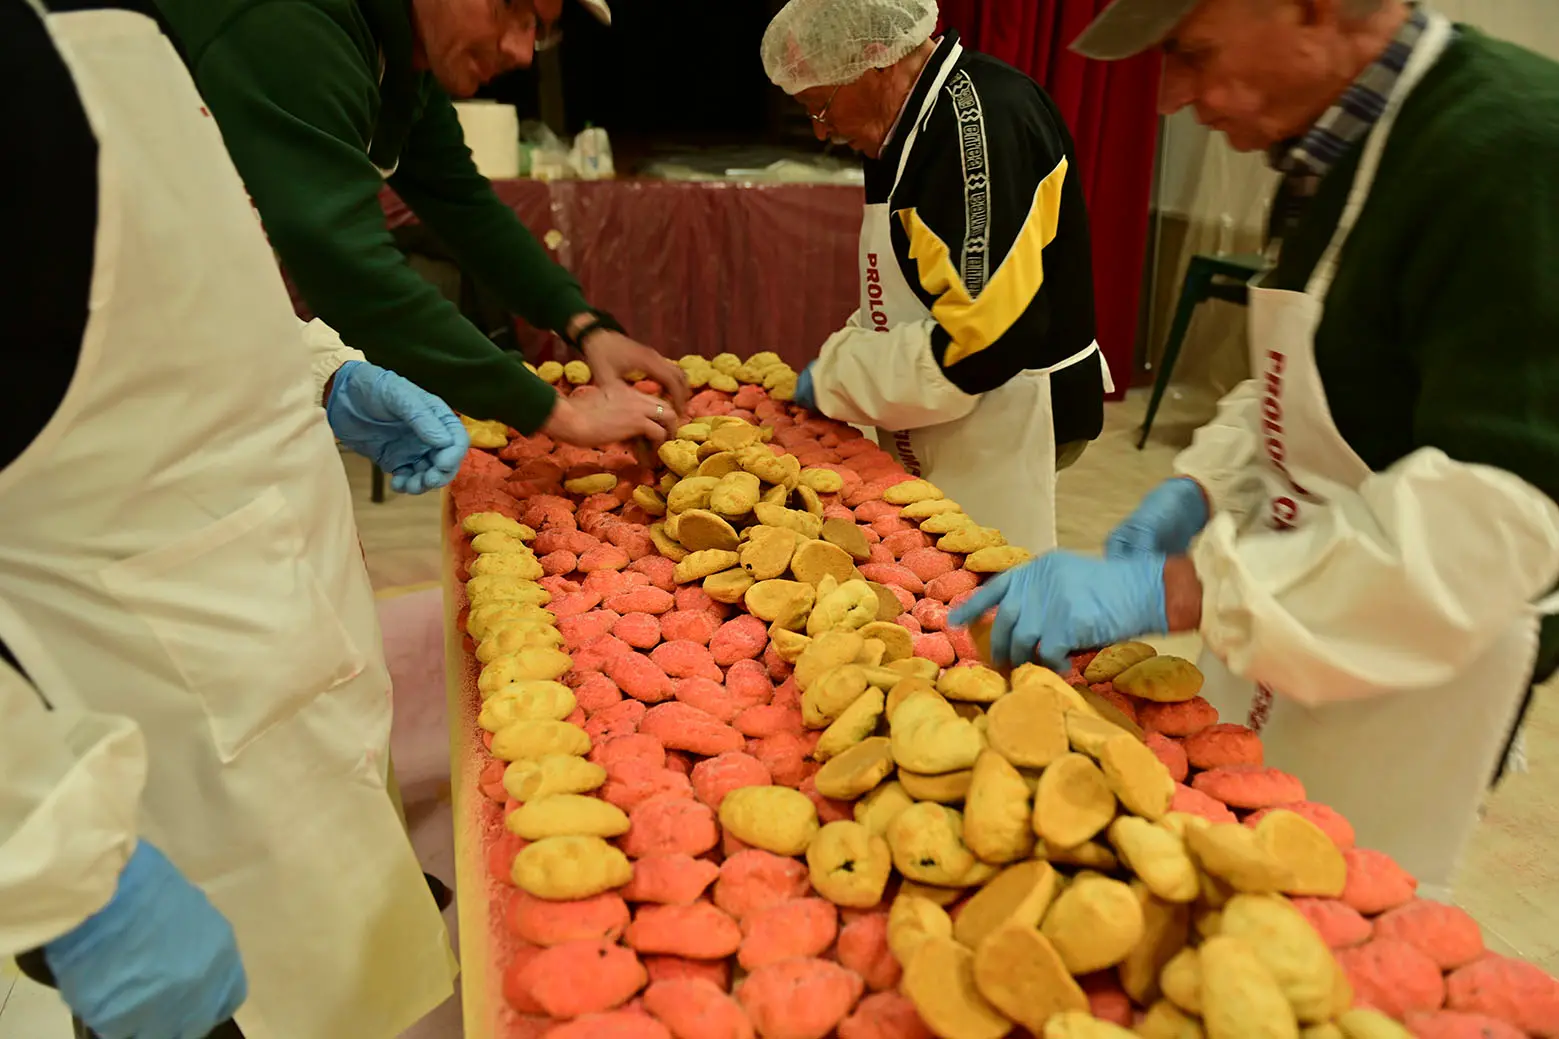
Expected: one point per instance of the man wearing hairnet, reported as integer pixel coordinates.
(973, 349)
(195, 709)
(1376, 534)
(323, 102)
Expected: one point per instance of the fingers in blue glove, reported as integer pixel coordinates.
(1164, 522)
(806, 394)
(994, 595)
(1062, 602)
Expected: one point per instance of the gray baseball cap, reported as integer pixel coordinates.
(598, 10)
(1129, 27)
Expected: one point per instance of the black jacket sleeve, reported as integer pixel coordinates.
(48, 206)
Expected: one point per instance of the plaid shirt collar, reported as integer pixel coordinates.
(1355, 112)
(1305, 160)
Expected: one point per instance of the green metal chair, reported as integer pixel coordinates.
(1208, 277)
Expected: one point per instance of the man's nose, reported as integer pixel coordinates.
(519, 47)
(819, 130)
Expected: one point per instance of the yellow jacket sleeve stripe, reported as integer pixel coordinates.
(974, 323)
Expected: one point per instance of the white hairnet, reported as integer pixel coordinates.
(822, 43)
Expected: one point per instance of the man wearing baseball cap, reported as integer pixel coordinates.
(1374, 512)
(322, 102)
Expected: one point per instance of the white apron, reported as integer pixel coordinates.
(181, 538)
(1409, 769)
(999, 461)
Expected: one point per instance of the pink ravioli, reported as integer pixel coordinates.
(1178, 719)
(1339, 924)
(863, 947)
(682, 727)
(1444, 933)
(1509, 989)
(698, 931)
(669, 827)
(1250, 786)
(1330, 821)
(799, 998)
(694, 1008)
(1375, 882)
(671, 879)
(798, 927)
(1194, 802)
(543, 922)
(635, 782)
(1393, 977)
(741, 638)
(715, 777)
(753, 880)
(687, 660)
(884, 1015)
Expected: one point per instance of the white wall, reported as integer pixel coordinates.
(1201, 177)
(1223, 197)
(1532, 23)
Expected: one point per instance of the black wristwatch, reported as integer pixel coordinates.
(598, 322)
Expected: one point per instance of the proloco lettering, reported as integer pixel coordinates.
(874, 294)
(1285, 510)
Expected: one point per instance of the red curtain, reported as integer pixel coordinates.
(1111, 109)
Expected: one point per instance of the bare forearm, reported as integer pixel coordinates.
(1182, 594)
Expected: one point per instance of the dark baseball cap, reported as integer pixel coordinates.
(1129, 27)
(598, 10)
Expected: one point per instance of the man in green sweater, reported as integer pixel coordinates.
(321, 102)
(1375, 517)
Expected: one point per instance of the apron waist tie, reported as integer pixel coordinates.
(1078, 358)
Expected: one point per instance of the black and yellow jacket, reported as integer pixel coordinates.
(991, 231)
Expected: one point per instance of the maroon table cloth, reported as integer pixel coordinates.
(701, 267)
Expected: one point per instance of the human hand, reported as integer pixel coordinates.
(1062, 602)
(805, 396)
(408, 432)
(615, 413)
(1163, 523)
(158, 962)
(611, 355)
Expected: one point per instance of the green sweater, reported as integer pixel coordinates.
(1442, 326)
(295, 87)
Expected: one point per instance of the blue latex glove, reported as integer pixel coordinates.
(1061, 603)
(408, 432)
(805, 396)
(1164, 522)
(157, 962)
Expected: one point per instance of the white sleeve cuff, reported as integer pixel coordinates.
(67, 837)
(889, 379)
(1398, 585)
(327, 353)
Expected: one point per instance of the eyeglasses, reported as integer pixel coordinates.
(820, 117)
(548, 36)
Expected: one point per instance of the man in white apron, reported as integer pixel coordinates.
(135, 947)
(178, 534)
(973, 350)
(1383, 546)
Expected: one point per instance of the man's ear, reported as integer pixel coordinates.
(876, 55)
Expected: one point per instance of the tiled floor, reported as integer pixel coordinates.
(1510, 880)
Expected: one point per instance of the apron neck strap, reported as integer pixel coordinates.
(926, 106)
(1436, 37)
